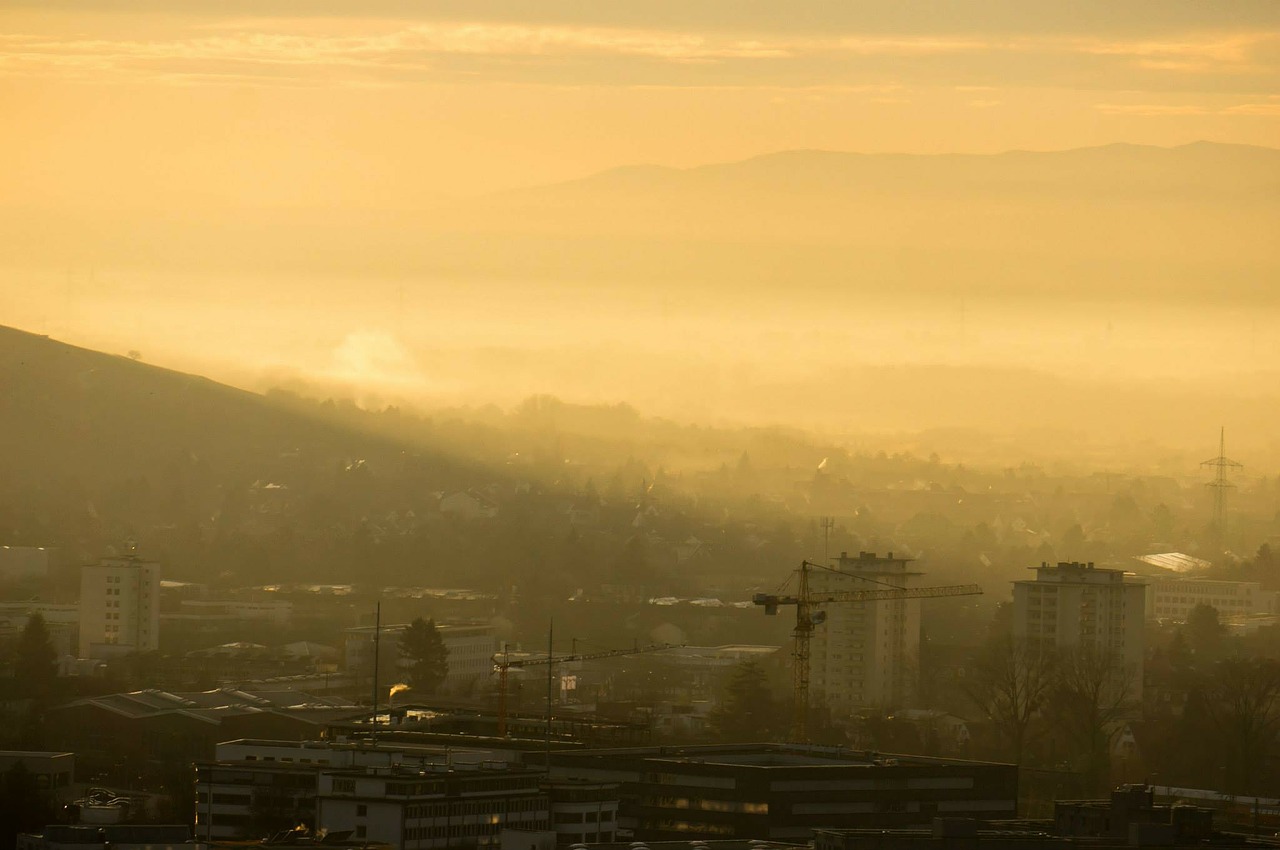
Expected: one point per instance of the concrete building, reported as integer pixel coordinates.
(866, 654)
(119, 607)
(404, 796)
(278, 612)
(783, 792)
(582, 810)
(1073, 605)
(1174, 598)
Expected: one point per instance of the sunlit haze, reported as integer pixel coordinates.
(402, 203)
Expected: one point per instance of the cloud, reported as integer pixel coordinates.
(284, 52)
(1167, 110)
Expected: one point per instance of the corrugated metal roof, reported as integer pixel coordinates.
(1175, 562)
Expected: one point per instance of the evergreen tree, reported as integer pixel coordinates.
(748, 712)
(422, 646)
(1205, 632)
(36, 661)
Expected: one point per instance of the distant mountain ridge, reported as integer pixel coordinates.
(792, 163)
(1113, 221)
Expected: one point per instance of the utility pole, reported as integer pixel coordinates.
(1220, 485)
(377, 634)
(546, 734)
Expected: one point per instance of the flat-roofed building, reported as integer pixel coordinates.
(408, 797)
(783, 792)
(1078, 606)
(866, 654)
(1175, 598)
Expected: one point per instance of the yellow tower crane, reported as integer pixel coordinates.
(807, 618)
(502, 662)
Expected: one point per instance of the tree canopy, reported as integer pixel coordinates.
(35, 663)
(428, 658)
(748, 712)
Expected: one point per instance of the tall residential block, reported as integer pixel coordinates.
(866, 654)
(1073, 605)
(119, 607)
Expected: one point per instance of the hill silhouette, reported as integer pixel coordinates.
(1192, 220)
(73, 413)
(100, 447)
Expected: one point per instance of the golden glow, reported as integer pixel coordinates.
(343, 200)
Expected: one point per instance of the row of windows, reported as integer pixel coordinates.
(1216, 603)
(695, 803)
(476, 807)
(579, 837)
(585, 817)
(461, 830)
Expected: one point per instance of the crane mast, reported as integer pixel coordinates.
(807, 618)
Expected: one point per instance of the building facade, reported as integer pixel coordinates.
(1174, 598)
(783, 792)
(866, 654)
(1074, 606)
(119, 607)
(405, 797)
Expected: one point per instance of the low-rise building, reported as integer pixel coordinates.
(404, 796)
(147, 732)
(783, 792)
(1174, 599)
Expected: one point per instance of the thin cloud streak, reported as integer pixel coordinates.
(283, 57)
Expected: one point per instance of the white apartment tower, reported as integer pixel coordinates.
(119, 607)
(1078, 605)
(865, 654)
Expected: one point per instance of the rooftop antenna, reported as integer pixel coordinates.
(1220, 485)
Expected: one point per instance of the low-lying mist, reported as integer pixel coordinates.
(1116, 384)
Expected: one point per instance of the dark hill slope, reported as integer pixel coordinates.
(98, 447)
(69, 412)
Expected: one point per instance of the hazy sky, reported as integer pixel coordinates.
(198, 180)
(393, 104)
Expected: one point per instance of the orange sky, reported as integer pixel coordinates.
(190, 104)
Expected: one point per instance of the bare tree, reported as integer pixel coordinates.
(1009, 681)
(1089, 702)
(1242, 701)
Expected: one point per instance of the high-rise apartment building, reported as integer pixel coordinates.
(866, 654)
(119, 607)
(1074, 605)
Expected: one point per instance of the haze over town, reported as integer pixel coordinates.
(359, 344)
